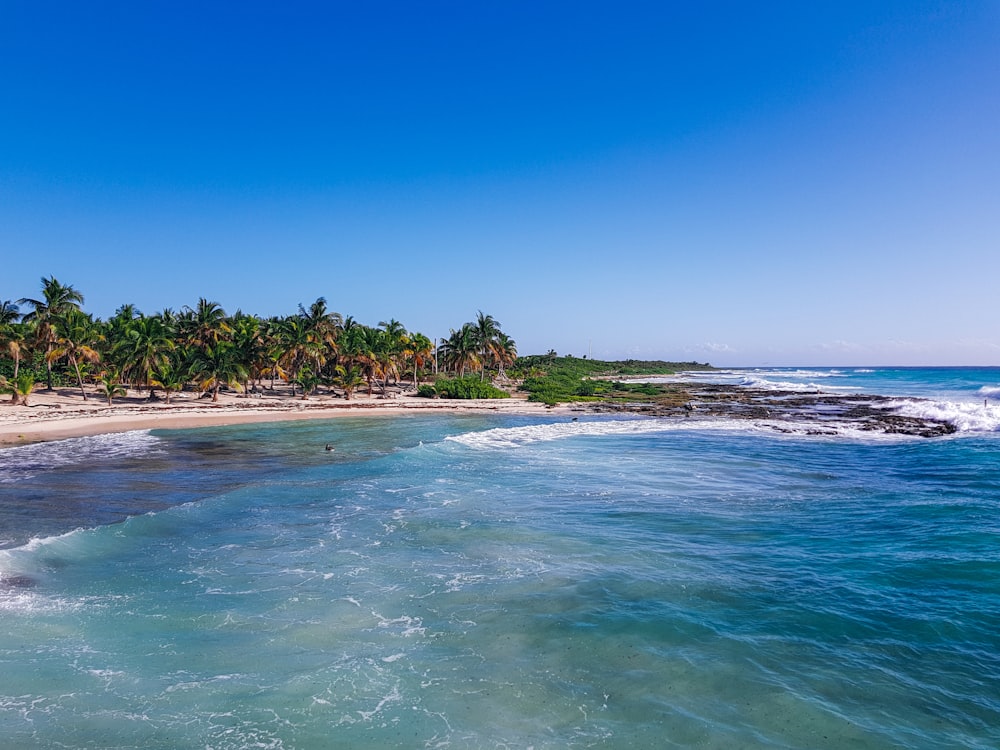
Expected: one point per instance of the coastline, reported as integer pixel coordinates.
(64, 414)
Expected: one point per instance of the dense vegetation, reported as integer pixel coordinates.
(202, 347)
(469, 386)
(552, 379)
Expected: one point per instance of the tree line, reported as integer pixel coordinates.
(52, 338)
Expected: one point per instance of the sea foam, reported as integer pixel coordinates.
(25, 461)
(517, 437)
(966, 417)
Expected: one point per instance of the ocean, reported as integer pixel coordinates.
(499, 581)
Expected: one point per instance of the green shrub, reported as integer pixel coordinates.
(468, 387)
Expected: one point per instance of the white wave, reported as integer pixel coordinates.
(22, 560)
(22, 575)
(764, 384)
(864, 371)
(514, 437)
(800, 373)
(517, 437)
(966, 417)
(25, 461)
(991, 391)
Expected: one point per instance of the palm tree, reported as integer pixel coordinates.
(298, 347)
(504, 352)
(75, 337)
(144, 346)
(9, 313)
(111, 385)
(11, 334)
(348, 378)
(372, 356)
(23, 385)
(57, 299)
(169, 377)
(218, 365)
(320, 322)
(485, 330)
(14, 342)
(419, 349)
(460, 350)
(248, 338)
(206, 324)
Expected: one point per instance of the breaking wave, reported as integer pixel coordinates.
(966, 417)
(517, 437)
(25, 461)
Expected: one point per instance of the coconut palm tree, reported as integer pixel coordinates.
(348, 378)
(299, 347)
(485, 330)
(14, 341)
(218, 365)
(170, 378)
(9, 313)
(419, 349)
(322, 324)
(23, 385)
(504, 351)
(461, 349)
(205, 324)
(57, 299)
(145, 344)
(111, 385)
(75, 338)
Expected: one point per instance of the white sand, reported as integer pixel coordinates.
(63, 413)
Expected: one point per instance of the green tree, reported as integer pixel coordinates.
(169, 377)
(74, 341)
(419, 349)
(218, 365)
(205, 324)
(57, 299)
(23, 386)
(111, 385)
(460, 351)
(145, 345)
(348, 378)
(504, 352)
(485, 331)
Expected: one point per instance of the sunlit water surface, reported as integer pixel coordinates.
(500, 582)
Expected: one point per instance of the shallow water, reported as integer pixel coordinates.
(496, 582)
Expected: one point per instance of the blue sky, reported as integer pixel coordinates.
(740, 183)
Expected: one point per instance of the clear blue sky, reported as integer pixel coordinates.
(738, 182)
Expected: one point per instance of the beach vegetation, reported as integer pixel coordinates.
(110, 385)
(75, 340)
(169, 377)
(56, 301)
(552, 379)
(348, 378)
(23, 385)
(466, 387)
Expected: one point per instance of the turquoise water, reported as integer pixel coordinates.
(507, 582)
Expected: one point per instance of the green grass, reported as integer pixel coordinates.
(552, 379)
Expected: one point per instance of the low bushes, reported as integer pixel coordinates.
(468, 387)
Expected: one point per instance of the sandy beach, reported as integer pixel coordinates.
(62, 413)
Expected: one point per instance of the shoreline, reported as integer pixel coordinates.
(63, 414)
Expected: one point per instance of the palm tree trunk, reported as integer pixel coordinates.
(79, 378)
